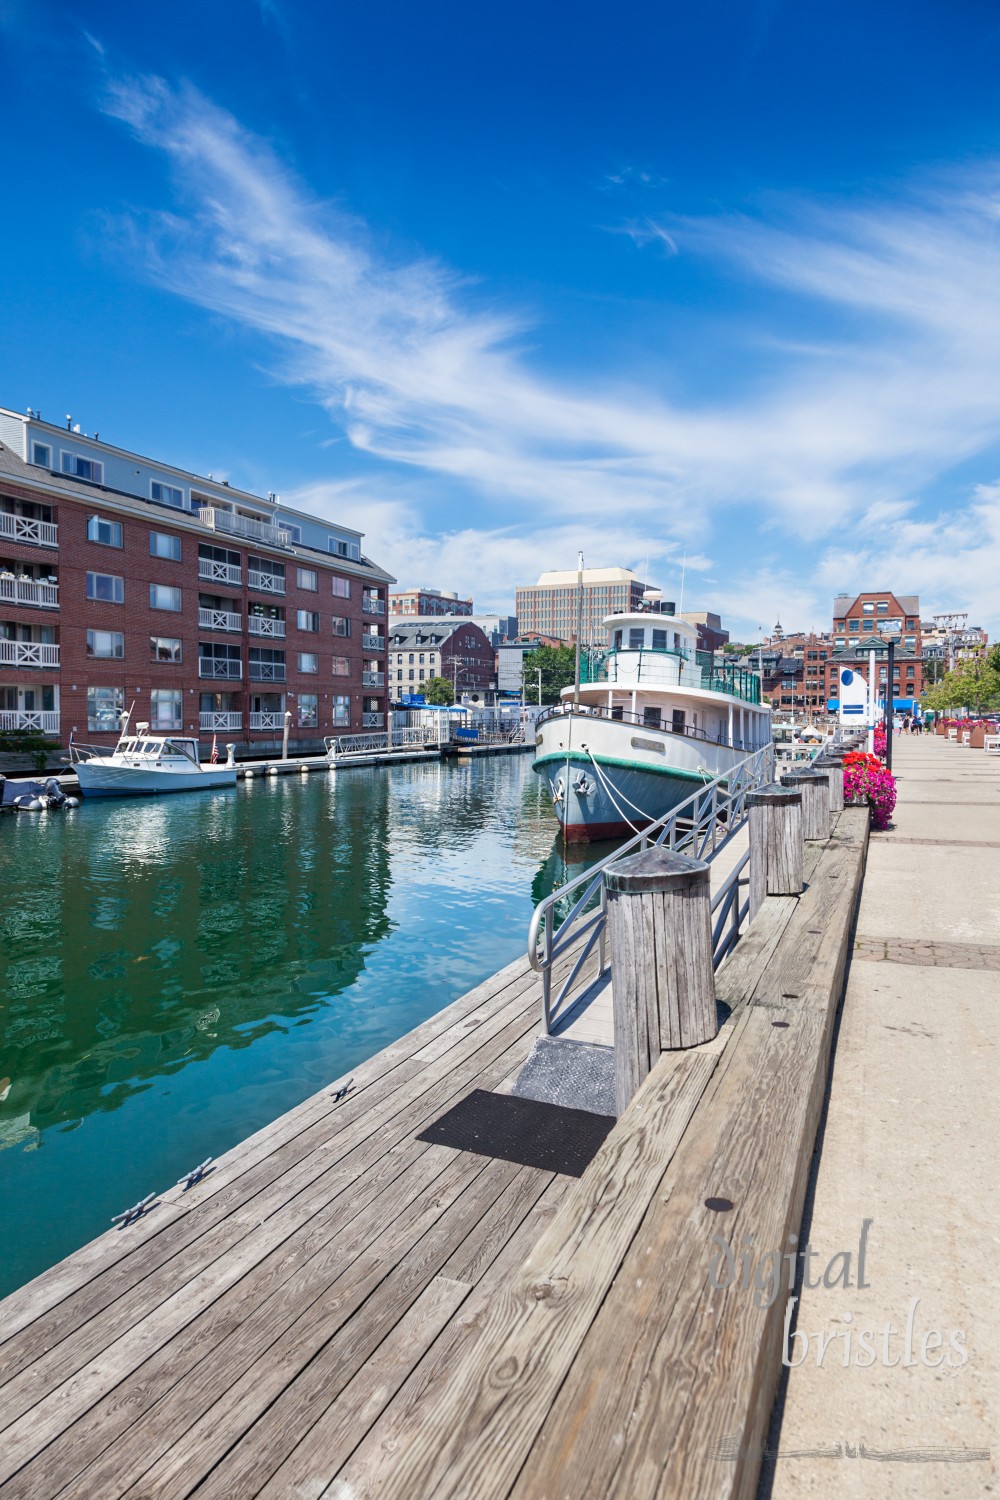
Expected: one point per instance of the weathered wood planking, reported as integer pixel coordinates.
(566, 1390)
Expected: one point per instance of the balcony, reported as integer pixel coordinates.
(371, 605)
(272, 718)
(244, 526)
(28, 654)
(373, 679)
(268, 583)
(373, 643)
(372, 721)
(219, 619)
(267, 671)
(45, 721)
(25, 529)
(28, 591)
(214, 667)
(220, 722)
(264, 625)
(219, 572)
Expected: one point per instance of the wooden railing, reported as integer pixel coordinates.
(27, 529)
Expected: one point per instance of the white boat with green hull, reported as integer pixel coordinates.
(652, 720)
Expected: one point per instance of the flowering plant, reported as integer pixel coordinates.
(879, 740)
(867, 780)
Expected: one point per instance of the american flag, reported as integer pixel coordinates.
(215, 749)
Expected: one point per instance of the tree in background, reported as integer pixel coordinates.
(558, 668)
(439, 691)
(974, 684)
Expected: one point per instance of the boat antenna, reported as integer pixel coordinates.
(579, 624)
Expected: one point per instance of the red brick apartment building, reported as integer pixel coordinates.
(422, 602)
(889, 616)
(124, 580)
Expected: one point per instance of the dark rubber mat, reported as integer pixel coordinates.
(522, 1130)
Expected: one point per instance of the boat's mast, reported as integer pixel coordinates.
(579, 623)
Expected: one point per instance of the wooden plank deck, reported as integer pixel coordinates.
(340, 1308)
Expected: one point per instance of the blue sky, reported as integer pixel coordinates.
(495, 282)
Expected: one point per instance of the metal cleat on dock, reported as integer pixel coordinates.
(196, 1174)
(135, 1212)
(343, 1090)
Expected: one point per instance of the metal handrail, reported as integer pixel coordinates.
(701, 825)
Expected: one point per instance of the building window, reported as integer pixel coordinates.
(166, 707)
(82, 468)
(164, 596)
(868, 608)
(166, 494)
(307, 619)
(162, 545)
(108, 533)
(410, 674)
(340, 625)
(308, 578)
(308, 710)
(335, 545)
(109, 643)
(421, 674)
(308, 661)
(341, 666)
(341, 588)
(882, 606)
(41, 454)
(854, 625)
(341, 709)
(105, 588)
(164, 648)
(105, 706)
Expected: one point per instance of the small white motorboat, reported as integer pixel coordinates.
(144, 765)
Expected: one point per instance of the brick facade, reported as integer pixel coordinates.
(889, 616)
(60, 691)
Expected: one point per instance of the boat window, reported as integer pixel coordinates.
(659, 640)
(651, 717)
(618, 639)
(677, 721)
(618, 711)
(636, 638)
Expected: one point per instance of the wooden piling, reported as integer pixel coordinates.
(815, 788)
(776, 848)
(832, 762)
(663, 984)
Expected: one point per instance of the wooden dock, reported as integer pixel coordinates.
(340, 1308)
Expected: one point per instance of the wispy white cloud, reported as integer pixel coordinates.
(889, 382)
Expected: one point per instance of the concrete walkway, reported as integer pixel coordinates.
(911, 1142)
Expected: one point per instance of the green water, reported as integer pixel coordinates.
(176, 972)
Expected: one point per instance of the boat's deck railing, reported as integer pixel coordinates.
(626, 716)
(702, 825)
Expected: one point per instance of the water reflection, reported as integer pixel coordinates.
(174, 974)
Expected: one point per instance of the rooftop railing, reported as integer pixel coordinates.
(244, 526)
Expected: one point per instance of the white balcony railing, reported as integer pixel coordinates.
(20, 718)
(28, 591)
(219, 572)
(267, 671)
(264, 625)
(373, 643)
(210, 666)
(24, 529)
(268, 583)
(28, 654)
(372, 721)
(372, 605)
(257, 531)
(223, 722)
(272, 718)
(373, 679)
(219, 619)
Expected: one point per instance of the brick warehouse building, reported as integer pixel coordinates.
(886, 615)
(457, 649)
(125, 580)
